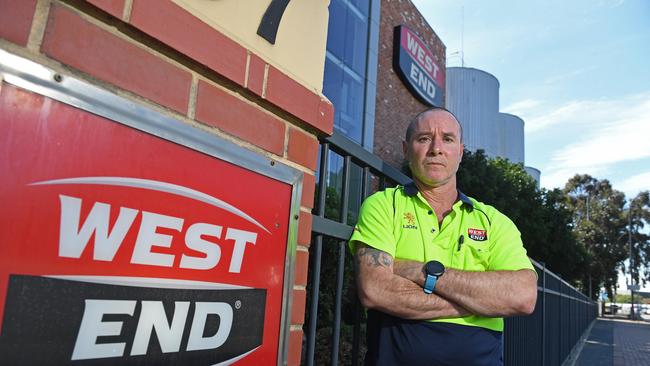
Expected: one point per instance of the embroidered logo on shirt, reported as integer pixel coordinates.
(476, 234)
(410, 221)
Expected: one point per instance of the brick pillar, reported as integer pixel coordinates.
(159, 54)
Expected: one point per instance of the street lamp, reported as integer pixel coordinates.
(588, 249)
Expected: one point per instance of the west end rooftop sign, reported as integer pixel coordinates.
(415, 65)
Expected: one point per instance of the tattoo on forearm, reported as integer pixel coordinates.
(374, 257)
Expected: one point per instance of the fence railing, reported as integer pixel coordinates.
(335, 322)
(547, 336)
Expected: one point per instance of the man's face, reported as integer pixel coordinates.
(434, 150)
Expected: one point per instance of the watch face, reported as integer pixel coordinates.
(435, 268)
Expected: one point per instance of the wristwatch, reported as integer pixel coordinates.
(432, 270)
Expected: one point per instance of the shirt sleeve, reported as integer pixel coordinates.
(507, 251)
(375, 224)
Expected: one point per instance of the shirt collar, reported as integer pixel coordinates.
(411, 190)
(465, 199)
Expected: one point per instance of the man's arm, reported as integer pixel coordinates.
(491, 294)
(380, 289)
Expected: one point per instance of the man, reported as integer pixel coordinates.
(436, 269)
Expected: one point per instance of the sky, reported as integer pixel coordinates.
(577, 72)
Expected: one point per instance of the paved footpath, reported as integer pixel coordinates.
(616, 342)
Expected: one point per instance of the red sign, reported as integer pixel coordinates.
(118, 246)
(420, 53)
(415, 64)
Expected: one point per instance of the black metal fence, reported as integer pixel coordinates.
(335, 322)
(547, 336)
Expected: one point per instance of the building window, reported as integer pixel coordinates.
(345, 65)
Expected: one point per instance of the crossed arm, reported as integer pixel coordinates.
(381, 289)
(395, 287)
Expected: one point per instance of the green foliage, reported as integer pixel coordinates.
(638, 216)
(599, 222)
(542, 216)
(332, 251)
(627, 299)
(609, 231)
(623, 299)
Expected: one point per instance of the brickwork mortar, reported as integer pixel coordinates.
(395, 104)
(289, 118)
(38, 25)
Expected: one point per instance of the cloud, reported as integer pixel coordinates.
(634, 184)
(608, 132)
(522, 106)
(624, 140)
(610, 4)
(556, 177)
(540, 116)
(564, 77)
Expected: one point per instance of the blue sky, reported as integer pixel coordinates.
(577, 72)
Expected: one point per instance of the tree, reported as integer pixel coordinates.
(542, 216)
(559, 247)
(599, 225)
(638, 215)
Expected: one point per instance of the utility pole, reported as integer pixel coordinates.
(629, 244)
(462, 36)
(590, 291)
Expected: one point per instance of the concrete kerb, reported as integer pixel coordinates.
(575, 352)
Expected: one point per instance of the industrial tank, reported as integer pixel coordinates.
(473, 96)
(511, 138)
(533, 172)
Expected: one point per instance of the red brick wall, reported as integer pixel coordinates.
(396, 106)
(153, 53)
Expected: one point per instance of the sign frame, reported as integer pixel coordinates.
(42, 80)
(402, 60)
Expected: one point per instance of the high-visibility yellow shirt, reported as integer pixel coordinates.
(473, 237)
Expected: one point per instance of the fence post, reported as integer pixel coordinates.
(336, 327)
(543, 313)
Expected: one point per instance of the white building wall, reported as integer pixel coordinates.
(533, 172)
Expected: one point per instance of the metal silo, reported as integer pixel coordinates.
(533, 172)
(511, 138)
(473, 96)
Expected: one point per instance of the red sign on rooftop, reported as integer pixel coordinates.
(416, 66)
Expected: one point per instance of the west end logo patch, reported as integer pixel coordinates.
(410, 221)
(476, 234)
